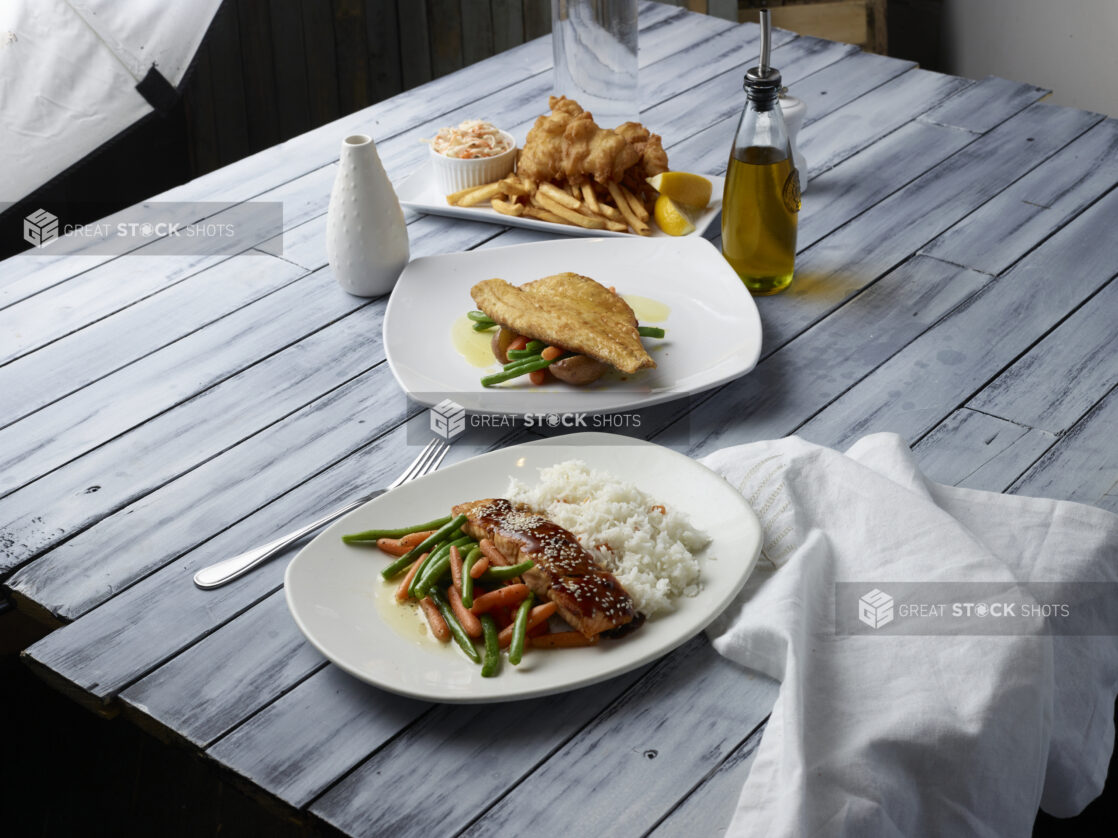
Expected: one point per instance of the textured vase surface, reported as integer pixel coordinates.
(366, 237)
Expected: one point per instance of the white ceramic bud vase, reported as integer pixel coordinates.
(794, 111)
(366, 237)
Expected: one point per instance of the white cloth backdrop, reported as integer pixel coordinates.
(912, 735)
(68, 76)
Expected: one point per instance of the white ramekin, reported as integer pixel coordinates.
(453, 174)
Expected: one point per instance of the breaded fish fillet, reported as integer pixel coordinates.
(571, 311)
(586, 595)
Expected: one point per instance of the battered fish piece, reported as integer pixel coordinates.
(653, 160)
(586, 595)
(571, 311)
(568, 144)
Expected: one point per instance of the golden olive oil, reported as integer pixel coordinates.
(760, 207)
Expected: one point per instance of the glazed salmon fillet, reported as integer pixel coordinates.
(586, 595)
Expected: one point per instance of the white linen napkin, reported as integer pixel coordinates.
(881, 735)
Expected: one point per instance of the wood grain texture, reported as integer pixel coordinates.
(978, 451)
(1066, 373)
(299, 745)
(985, 105)
(939, 371)
(802, 377)
(882, 237)
(648, 751)
(1039, 204)
(228, 675)
(84, 356)
(1083, 465)
(708, 809)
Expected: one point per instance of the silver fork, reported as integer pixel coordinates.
(429, 459)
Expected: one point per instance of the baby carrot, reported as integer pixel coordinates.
(435, 619)
(551, 353)
(399, 546)
(480, 566)
(456, 567)
(538, 377)
(534, 618)
(508, 595)
(465, 616)
(402, 591)
(562, 640)
(518, 342)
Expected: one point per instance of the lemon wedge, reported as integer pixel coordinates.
(683, 188)
(674, 219)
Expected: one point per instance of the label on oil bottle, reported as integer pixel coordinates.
(791, 191)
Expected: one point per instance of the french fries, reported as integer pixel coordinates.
(589, 205)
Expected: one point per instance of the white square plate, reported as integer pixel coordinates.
(420, 193)
(713, 331)
(348, 612)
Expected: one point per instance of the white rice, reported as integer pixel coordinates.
(652, 553)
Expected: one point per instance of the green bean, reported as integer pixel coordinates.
(440, 535)
(436, 565)
(536, 346)
(520, 355)
(483, 327)
(503, 574)
(373, 535)
(521, 368)
(650, 331)
(492, 663)
(481, 317)
(519, 630)
(467, 579)
(459, 633)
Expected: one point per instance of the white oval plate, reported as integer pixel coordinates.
(420, 193)
(340, 603)
(713, 330)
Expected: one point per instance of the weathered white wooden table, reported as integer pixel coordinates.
(159, 413)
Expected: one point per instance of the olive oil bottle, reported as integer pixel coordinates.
(761, 199)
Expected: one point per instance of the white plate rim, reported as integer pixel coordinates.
(507, 688)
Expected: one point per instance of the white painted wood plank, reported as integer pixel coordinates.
(222, 679)
(851, 257)
(709, 809)
(802, 377)
(300, 744)
(985, 105)
(936, 373)
(1052, 385)
(1083, 464)
(844, 131)
(978, 451)
(67, 365)
(1037, 205)
(653, 757)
